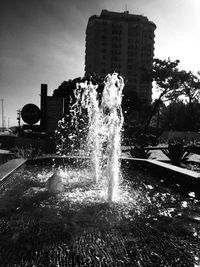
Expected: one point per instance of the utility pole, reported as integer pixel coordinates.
(19, 116)
(2, 114)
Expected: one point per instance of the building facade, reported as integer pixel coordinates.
(123, 43)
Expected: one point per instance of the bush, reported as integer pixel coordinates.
(176, 152)
(139, 151)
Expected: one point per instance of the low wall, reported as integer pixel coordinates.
(174, 175)
(9, 167)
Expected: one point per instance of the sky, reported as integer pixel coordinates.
(43, 41)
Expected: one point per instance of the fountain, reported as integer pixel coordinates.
(77, 211)
(105, 121)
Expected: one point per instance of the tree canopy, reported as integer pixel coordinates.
(173, 84)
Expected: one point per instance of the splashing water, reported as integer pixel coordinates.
(104, 124)
(112, 121)
(89, 101)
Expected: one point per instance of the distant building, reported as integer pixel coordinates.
(52, 110)
(124, 43)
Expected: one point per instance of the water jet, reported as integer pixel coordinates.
(105, 120)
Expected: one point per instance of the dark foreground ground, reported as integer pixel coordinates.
(151, 225)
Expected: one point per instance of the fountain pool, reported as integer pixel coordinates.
(89, 215)
(150, 224)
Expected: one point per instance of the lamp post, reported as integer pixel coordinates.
(2, 114)
(19, 116)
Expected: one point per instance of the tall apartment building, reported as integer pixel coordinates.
(123, 43)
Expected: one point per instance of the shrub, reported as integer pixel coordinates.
(176, 152)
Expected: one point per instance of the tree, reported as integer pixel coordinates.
(72, 128)
(166, 76)
(66, 90)
(191, 91)
(176, 116)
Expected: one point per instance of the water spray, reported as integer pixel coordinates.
(104, 124)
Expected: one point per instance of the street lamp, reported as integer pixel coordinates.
(2, 114)
(19, 116)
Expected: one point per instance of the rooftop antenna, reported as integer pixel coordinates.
(126, 9)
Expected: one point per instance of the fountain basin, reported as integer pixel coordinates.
(151, 225)
(174, 175)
